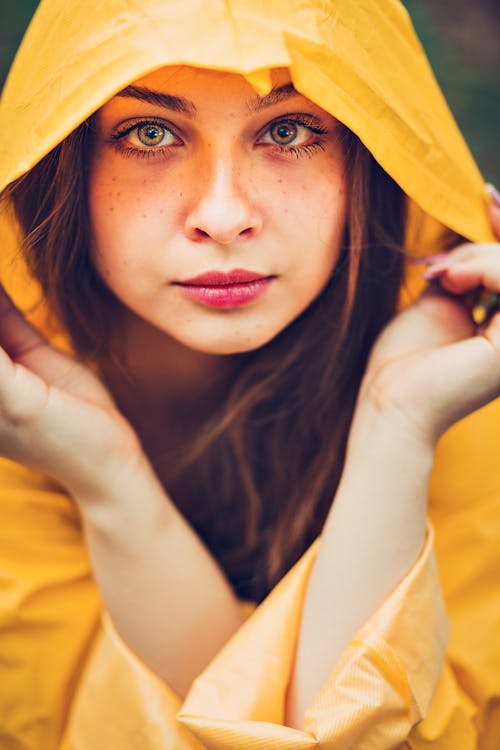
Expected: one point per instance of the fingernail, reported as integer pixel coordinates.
(493, 192)
(434, 272)
(430, 259)
(438, 269)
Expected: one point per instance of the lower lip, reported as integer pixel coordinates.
(227, 295)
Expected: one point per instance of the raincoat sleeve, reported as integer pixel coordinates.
(382, 685)
(464, 504)
(48, 608)
(413, 677)
(64, 673)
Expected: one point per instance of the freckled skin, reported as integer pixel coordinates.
(220, 199)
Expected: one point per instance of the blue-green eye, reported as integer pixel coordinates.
(295, 133)
(287, 133)
(145, 136)
(151, 134)
(284, 133)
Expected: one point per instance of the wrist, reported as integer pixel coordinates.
(381, 428)
(395, 416)
(117, 490)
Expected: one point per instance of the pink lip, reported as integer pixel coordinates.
(218, 278)
(231, 289)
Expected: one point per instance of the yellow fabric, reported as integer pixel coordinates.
(239, 700)
(49, 608)
(67, 682)
(361, 61)
(386, 678)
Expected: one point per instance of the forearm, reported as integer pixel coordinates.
(373, 535)
(159, 583)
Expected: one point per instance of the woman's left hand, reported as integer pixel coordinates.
(432, 365)
(427, 369)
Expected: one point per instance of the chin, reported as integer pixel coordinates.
(236, 344)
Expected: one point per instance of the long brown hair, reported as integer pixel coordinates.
(268, 465)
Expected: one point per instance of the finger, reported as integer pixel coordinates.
(467, 267)
(494, 209)
(447, 382)
(22, 393)
(435, 320)
(53, 432)
(463, 376)
(495, 219)
(18, 337)
(28, 347)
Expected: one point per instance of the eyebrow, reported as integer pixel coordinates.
(176, 103)
(275, 96)
(186, 107)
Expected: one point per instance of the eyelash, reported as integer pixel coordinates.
(305, 121)
(118, 137)
(306, 149)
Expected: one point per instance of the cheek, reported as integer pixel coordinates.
(319, 212)
(317, 234)
(127, 217)
(115, 203)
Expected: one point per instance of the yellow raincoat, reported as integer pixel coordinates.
(418, 674)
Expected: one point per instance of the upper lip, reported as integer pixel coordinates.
(220, 278)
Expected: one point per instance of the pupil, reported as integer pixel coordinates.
(284, 134)
(150, 135)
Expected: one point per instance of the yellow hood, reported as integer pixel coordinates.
(360, 61)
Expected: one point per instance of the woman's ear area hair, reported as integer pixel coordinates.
(51, 204)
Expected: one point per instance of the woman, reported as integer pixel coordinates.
(223, 252)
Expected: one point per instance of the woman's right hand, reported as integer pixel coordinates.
(57, 417)
(55, 414)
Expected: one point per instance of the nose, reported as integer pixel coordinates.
(222, 209)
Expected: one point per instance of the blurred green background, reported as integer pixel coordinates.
(462, 39)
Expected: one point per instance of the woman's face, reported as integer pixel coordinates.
(216, 216)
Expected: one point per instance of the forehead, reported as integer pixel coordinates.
(188, 77)
(187, 89)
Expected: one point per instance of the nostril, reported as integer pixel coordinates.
(200, 234)
(222, 218)
(221, 237)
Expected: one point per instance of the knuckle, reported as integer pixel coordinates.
(21, 405)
